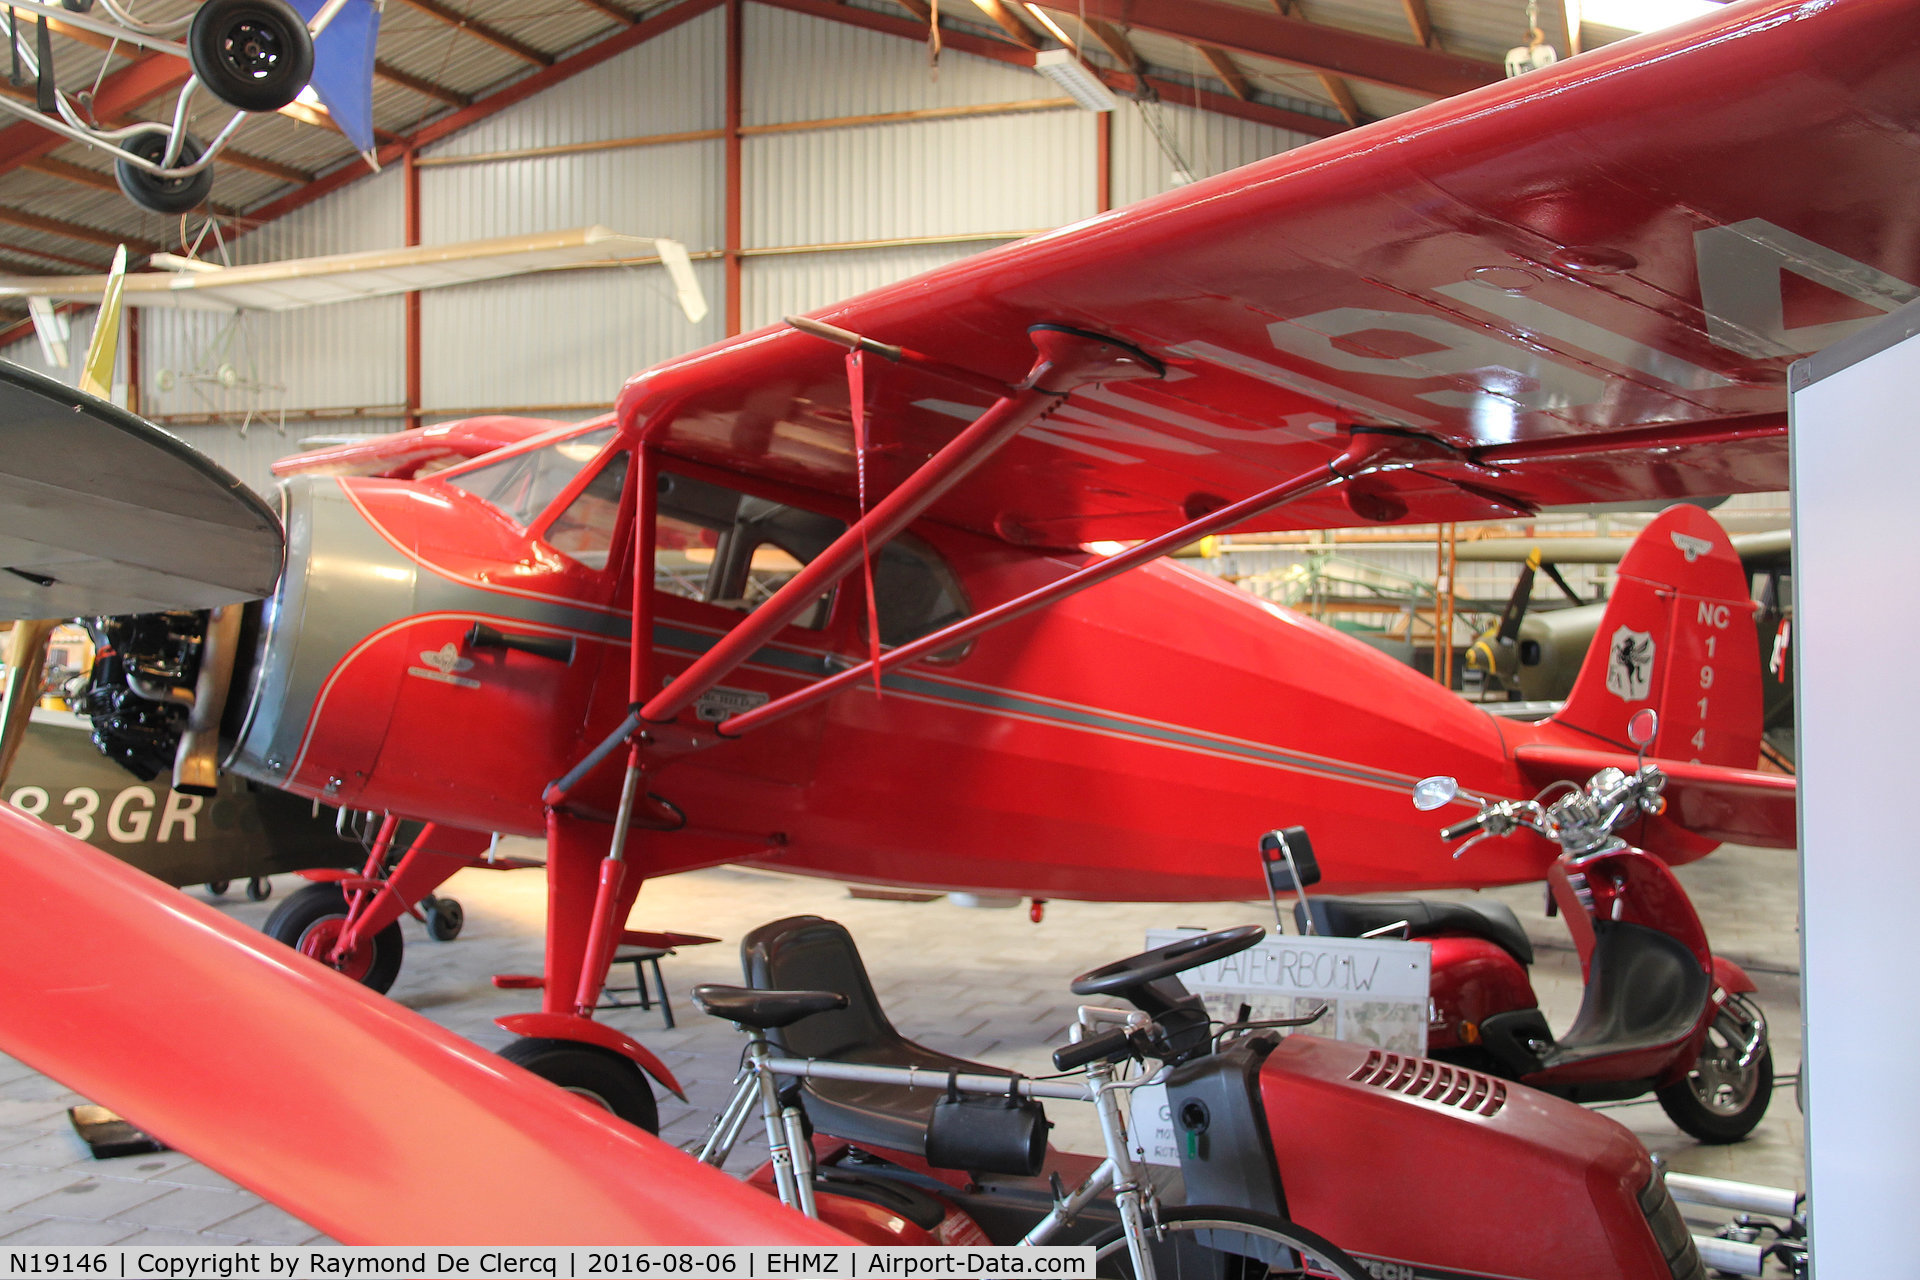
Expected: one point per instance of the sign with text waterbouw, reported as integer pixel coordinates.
(1375, 989)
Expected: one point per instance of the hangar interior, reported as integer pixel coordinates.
(802, 152)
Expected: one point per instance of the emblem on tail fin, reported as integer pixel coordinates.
(1691, 547)
(1630, 660)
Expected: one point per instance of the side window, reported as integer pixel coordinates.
(724, 548)
(728, 549)
(915, 591)
(585, 529)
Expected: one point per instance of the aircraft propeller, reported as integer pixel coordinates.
(101, 512)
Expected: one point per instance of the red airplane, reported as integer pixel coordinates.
(1584, 285)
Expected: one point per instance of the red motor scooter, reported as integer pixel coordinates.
(1661, 1013)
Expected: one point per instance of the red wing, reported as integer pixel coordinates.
(1719, 803)
(1643, 237)
(352, 1113)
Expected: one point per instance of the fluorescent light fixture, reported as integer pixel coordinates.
(1644, 15)
(1080, 84)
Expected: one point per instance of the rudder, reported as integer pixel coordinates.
(1677, 636)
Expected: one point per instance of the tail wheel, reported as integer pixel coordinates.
(601, 1076)
(1721, 1100)
(252, 54)
(311, 922)
(1214, 1242)
(162, 195)
(445, 918)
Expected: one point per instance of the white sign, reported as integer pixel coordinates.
(1375, 989)
(1150, 1126)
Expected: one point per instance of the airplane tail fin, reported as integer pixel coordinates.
(1678, 637)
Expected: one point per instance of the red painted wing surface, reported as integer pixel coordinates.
(1627, 248)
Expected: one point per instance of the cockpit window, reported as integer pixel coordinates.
(523, 486)
(733, 550)
(585, 529)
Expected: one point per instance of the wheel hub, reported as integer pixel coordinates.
(322, 939)
(251, 50)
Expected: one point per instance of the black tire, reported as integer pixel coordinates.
(252, 54)
(218, 888)
(1719, 1101)
(1214, 1242)
(601, 1076)
(445, 919)
(259, 889)
(162, 195)
(309, 919)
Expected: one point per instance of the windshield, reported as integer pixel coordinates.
(523, 486)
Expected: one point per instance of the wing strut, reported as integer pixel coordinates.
(1067, 358)
(1366, 452)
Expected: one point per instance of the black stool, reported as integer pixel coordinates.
(640, 958)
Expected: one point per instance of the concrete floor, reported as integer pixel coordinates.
(986, 984)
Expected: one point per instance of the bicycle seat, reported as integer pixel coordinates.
(1351, 917)
(764, 1009)
(819, 954)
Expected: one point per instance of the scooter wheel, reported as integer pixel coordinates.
(1215, 1240)
(1719, 1100)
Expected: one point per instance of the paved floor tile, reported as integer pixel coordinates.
(70, 1231)
(95, 1198)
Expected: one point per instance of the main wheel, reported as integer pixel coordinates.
(445, 918)
(162, 195)
(1720, 1100)
(252, 54)
(601, 1076)
(311, 921)
(1214, 1242)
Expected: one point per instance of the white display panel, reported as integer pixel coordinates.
(1856, 462)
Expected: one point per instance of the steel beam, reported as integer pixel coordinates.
(1392, 63)
(480, 30)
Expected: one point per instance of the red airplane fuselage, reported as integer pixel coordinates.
(1130, 743)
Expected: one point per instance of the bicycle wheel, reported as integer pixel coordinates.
(1214, 1242)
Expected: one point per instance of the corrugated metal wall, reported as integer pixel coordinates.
(565, 341)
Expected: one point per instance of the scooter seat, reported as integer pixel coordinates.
(764, 1009)
(814, 953)
(1352, 917)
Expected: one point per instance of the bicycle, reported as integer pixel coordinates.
(1150, 1239)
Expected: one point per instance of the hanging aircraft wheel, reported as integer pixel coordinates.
(162, 195)
(444, 919)
(259, 889)
(1720, 1100)
(252, 54)
(218, 888)
(601, 1076)
(311, 921)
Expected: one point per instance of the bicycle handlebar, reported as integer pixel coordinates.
(1112, 1046)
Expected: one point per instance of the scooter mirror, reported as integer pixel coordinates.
(1642, 729)
(1431, 793)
